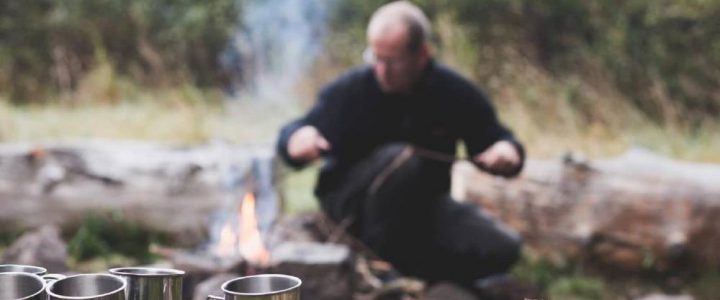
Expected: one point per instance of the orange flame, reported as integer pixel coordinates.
(244, 239)
(250, 243)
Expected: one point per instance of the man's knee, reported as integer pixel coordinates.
(497, 259)
(507, 247)
(511, 240)
(484, 245)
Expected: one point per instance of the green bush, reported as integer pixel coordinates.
(664, 56)
(560, 278)
(103, 236)
(8, 237)
(47, 46)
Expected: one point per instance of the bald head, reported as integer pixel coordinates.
(397, 46)
(401, 17)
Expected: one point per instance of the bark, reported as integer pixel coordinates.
(637, 211)
(171, 189)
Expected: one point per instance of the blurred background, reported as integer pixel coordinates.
(594, 77)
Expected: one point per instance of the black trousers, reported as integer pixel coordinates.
(399, 206)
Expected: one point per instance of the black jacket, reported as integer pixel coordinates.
(357, 117)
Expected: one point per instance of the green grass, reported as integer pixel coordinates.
(567, 280)
(111, 235)
(178, 122)
(297, 190)
(561, 279)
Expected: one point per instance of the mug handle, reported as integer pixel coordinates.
(211, 297)
(52, 277)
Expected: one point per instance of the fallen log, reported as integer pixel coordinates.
(637, 211)
(164, 188)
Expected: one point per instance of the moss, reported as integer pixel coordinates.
(105, 236)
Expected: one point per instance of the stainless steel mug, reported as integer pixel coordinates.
(21, 286)
(151, 283)
(261, 287)
(40, 271)
(87, 287)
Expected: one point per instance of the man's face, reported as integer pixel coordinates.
(396, 67)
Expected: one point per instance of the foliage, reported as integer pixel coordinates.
(577, 288)
(663, 55)
(48, 46)
(578, 68)
(105, 236)
(564, 279)
(561, 279)
(539, 271)
(7, 237)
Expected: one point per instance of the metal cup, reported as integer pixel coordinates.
(87, 287)
(40, 271)
(151, 283)
(21, 286)
(261, 287)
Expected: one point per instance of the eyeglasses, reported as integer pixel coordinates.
(371, 58)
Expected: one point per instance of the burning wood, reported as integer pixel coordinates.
(316, 263)
(250, 243)
(243, 239)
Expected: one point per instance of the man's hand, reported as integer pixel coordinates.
(306, 144)
(502, 158)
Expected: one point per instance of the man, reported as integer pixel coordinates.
(388, 135)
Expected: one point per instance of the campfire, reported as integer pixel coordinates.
(221, 198)
(238, 225)
(240, 236)
(249, 236)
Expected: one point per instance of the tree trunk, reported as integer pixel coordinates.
(171, 189)
(637, 211)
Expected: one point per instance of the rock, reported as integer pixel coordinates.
(325, 269)
(43, 248)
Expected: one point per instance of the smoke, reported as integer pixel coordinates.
(275, 46)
